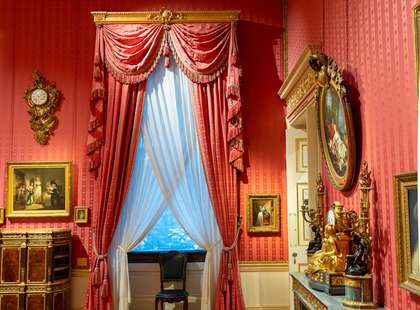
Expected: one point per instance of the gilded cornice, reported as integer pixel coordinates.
(299, 85)
(302, 89)
(164, 16)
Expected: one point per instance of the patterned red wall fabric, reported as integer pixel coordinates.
(57, 38)
(372, 41)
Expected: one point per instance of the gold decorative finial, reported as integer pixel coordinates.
(165, 16)
(365, 180)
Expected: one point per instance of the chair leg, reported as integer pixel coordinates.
(186, 303)
(161, 304)
(156, 303)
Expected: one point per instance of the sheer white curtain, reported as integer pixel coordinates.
(167, 169)
(171, 143)
(143, 206)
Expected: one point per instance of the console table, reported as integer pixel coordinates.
(306, 298)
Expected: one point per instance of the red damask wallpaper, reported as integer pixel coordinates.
(57, 38)
(372, 41)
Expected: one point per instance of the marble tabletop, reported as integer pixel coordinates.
(331, 302)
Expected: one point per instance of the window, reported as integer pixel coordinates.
(166, 235)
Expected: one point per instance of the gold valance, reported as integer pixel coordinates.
(165, 16)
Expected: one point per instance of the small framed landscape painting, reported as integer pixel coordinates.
(38, 189)
(263, 213)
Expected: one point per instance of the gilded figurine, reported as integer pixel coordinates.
(329, 258)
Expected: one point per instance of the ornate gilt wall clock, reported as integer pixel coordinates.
(42, 99)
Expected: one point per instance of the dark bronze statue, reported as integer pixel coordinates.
(356, 264)
(316, 243)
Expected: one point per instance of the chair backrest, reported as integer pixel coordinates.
(173, 267)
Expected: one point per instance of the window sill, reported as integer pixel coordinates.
(153, 257)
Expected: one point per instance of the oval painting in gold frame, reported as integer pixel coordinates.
(337, 134)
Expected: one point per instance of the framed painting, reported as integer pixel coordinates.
(407, 231)
(263, 212)
(81, 215)
(335, 122)
(416, 24)
(38, 189)
(301, 155)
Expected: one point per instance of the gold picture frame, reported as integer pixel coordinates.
(38, 189)
(81, 215)
(416, 25)
(407, 231)
(263, 213)
(1, 216)
(335, 121)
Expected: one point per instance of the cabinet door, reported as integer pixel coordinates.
(36, 301)
(37, 265)
(10, 302)
(11, 262)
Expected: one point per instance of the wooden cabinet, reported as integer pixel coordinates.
(35, 269)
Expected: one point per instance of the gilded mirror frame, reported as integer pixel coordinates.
(406, 278)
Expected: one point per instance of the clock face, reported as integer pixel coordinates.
(39, 96)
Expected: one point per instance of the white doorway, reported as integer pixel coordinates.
(302, 169)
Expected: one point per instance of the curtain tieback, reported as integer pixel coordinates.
(98, 280)
(227, 251)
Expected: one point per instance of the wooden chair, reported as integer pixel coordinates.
(173, 268)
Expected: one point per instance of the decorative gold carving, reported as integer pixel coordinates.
(308, 296)
(365, 186)
(301, 91)
(358, 304)
(164, 16)
(298, 89)
(42, 98)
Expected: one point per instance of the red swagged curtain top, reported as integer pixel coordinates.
(130, 53)
(125, 55)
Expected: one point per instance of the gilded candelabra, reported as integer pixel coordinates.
(365, 186)
(314, 217)
(311, 215)
(358, 277)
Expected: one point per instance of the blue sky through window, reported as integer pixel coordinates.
(166, 235)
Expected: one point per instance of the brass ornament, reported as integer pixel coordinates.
(42, 99)
(307, 296)
(165, 16)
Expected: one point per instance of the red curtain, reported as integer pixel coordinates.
(124, 57)
(211, 113)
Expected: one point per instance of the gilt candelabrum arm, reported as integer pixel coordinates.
(307, 214)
